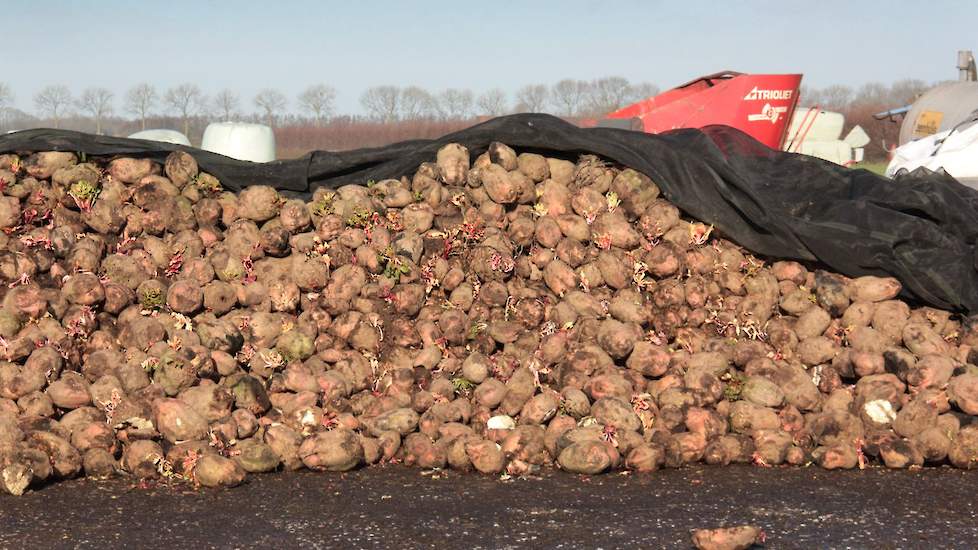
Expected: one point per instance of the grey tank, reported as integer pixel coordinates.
(938, 109)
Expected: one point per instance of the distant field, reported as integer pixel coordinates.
(877, 167)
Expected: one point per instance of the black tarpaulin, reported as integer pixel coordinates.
(920, 229)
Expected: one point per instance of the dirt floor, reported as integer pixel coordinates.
(406, 508)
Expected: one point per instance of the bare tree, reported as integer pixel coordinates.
(139, 100)
(836, 97)
(6, 95)
(15, 119)
(271, 101)
(416, 103)
(492, 102)
(186, 100)
(907, 90)
(872, 93)
(607, 94)
(567, 96)
(640, 91)
(318, 100)
(226, 103)
(810, 95)
(6, 100)
(382, 102)
(531, 98)
(455, 104)
(98, 103)
(52, 101)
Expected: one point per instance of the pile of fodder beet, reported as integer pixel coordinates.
(497, 314)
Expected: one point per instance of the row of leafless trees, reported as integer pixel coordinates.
(568, 97)
(316, 103)
(859, 104)
(54, 103)
(188, 108)
(841, 98)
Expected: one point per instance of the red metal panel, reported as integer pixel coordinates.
(760, 105)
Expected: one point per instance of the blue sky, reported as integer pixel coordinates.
(247, 45)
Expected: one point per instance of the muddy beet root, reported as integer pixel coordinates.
(728, 538)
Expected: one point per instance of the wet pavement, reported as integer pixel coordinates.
(396, 507)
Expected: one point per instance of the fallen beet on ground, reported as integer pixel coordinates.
(497, 314)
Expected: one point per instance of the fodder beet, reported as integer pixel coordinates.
(497, 313)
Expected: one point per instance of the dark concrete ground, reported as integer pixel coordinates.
(395, 507)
